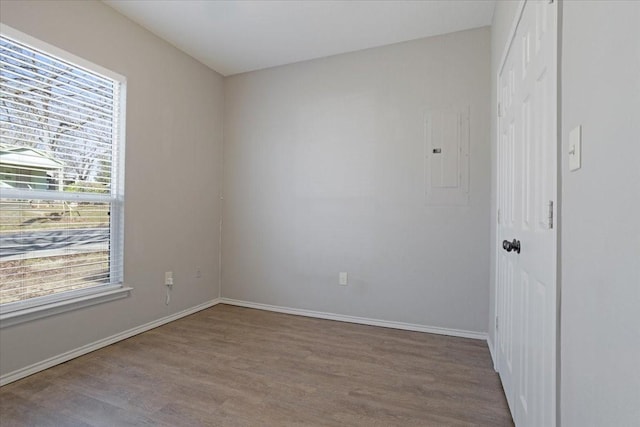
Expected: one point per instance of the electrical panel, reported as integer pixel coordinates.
(447, 157)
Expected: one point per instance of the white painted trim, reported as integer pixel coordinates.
(72, 354)
(83, 298)
(360, 320)
(491, 352)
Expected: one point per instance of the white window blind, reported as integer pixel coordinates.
(61, 177)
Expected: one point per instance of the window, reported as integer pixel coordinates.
(61, 180)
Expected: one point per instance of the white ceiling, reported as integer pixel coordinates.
(237, 36)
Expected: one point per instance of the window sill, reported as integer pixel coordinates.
(16, 317)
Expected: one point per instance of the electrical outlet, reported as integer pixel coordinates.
(168, 278)
(342, 278)
(198, 273)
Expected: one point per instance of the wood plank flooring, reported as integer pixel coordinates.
(232, 366)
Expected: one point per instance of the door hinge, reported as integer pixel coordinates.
(550, 214)
(496, 323)
(499, 109)
(498, 216)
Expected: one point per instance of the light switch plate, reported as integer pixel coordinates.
(342, 278)
(575, 149)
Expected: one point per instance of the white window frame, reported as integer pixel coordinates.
(35, 308)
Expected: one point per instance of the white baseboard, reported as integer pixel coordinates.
(493, 356)
(361, 320)
(64, 357)
(72, 354)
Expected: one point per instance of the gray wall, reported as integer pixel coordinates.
(324, 172)
(600, 326)
(173, 174)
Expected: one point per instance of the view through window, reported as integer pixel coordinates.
(61, 188)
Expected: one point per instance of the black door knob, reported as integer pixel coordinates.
(511, 246)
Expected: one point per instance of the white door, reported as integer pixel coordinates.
(527, 188)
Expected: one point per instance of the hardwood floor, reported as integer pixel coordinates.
(232, 366)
